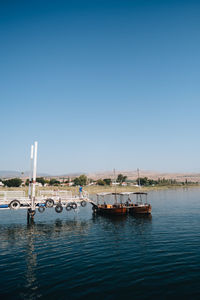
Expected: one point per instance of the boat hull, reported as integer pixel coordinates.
(140, 209)
(112, 211)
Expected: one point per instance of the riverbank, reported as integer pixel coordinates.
(120, 189)
(94, 189)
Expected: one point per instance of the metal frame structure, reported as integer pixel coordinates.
(15, 200)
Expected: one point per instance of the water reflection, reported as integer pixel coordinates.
(26, 240)
(15, 234)
(140, 224)
(31, 283)
(40, 244)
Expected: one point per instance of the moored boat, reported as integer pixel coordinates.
(141, 206)
(122, 205)
(111, 208)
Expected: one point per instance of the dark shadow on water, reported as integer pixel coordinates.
(26, 237)
(142, 217)
(31, 236)
(122, 218)
(121, 224)
(17, 234)
(111, 218)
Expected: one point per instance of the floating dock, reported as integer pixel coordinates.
(15, 200)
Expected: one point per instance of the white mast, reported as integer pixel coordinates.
(34, 176)
(138, 171)
(115, 186)
(30, 173)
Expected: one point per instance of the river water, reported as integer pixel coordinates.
(76, 255)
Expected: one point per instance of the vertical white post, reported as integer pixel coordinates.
(34, 176)
(30, 174)
(138, 171)
(115, 186)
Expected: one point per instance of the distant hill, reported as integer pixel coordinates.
(180, 177)
(7, 174)
(71, 175)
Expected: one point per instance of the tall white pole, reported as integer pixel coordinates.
(30, 173)
(115, 185)
(138, 171)
(34, 175)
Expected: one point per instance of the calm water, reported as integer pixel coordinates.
(75, 255)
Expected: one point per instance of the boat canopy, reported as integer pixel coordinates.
(126, 193)
(121, 194)
(110, 193)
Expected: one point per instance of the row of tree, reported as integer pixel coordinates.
(84, 180)
(144, 181)
(81, 180)
(17, 182)
(43, 181)
(14, 182)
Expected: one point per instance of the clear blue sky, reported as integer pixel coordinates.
(100, 84)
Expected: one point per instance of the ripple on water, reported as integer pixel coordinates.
(78, 255)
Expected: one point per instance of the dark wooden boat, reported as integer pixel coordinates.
(140, 209)
(111, 208)
(141, 206)
(122, 205)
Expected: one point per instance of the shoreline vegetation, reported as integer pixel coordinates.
(99, 189)
(119, 184)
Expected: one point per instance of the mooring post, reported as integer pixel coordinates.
(30, 215)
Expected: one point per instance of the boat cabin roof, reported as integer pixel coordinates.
(121, 194)
(140, 193)
(126, 193)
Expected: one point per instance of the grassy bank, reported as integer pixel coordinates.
(98, 189)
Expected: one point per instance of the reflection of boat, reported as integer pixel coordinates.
(121, 207)
(141, 206)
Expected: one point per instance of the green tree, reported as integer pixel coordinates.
(121, 178)
(142, 181)
(107, 181)
(54, 181)
(14, 182)
(41, 180)
(76, 181)
(151, 182)
(81, 180)
(101, 182)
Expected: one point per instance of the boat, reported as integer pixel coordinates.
(113, 208)
(141, 206)
(122, 205)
